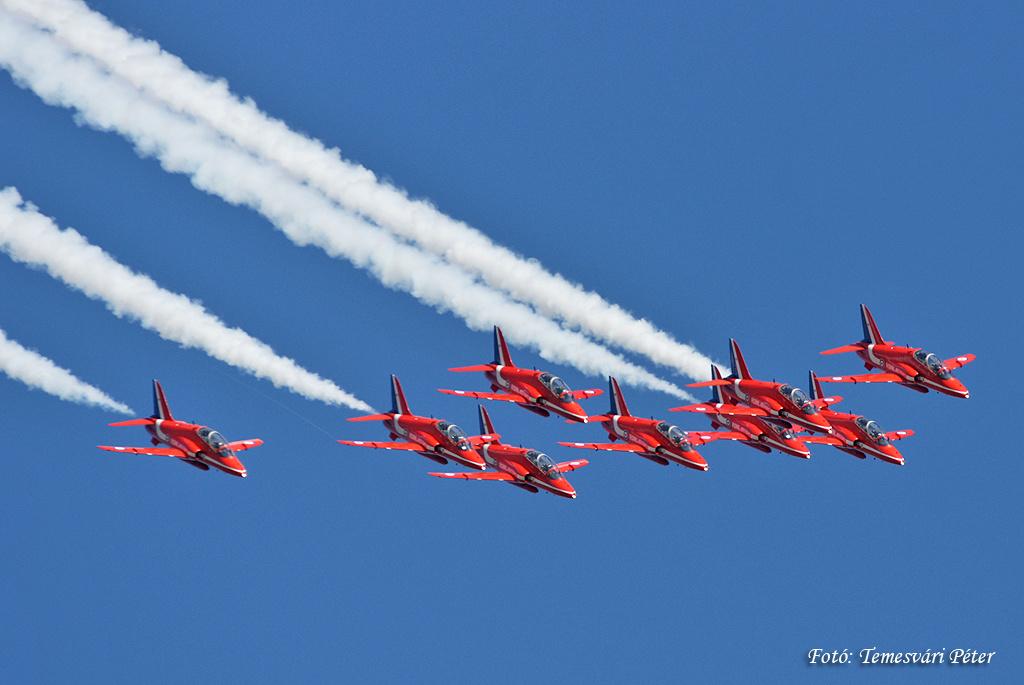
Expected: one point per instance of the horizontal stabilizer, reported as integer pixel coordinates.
(708, 384)
(135, 422)
(845, 348)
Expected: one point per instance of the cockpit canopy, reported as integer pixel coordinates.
(455, 434)
(216, 441)
(675, 435)
(544, 463)
(556, 385)
(799, 398)
(873, 430)
(934, 364)
(784, 433)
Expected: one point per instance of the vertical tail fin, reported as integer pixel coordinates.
(398, 403)
(160, 408)
(501, 356)
(739, 367)
(716, 391)
(871, 334)
(816, 393)
(617, 400)
(486, 427)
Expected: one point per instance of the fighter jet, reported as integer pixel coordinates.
(910, 367)
(536, 391)
(745, 424)
(520, 466)
(855, 434)
(652, 439)
(199, 446)
(435, 439)
(779, 403)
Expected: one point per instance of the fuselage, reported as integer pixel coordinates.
(657, 438)
(539, 388)
(528, 466)
(919, 368)
(777, 399)
(861, 435)
(762, 434)
(200, 443)
(438, 438)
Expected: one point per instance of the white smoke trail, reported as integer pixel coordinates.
(39, 61)
(164, 76)
(36, 371)
(28, 236)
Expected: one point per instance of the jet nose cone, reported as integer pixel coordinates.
(695, 461)
(956, 388)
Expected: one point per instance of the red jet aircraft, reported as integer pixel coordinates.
(196, 445)
(911, 367)
(433, 438)
(656, 440)
(536, 391)
(749, 426)
(779, 403)
(855, 434)
(525, 468)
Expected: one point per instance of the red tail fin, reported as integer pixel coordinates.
(160, 408)
(871, 334)
(739, 367)
(501, 355)
(398, 403)
(618, 401)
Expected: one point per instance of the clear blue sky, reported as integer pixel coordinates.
(722, 171)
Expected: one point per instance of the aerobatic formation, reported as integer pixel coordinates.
(764, 415)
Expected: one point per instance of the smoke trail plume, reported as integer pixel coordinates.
(164, 76)
(29, 237)
(43, 63)
(36, 371)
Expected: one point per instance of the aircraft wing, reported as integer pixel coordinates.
(507, 397)
(477, 440)
(155, 451)
(708, 384)
(896, 435)
(411, 447)
(584, 394)
(820, 440)
(572, 465)
(884, 377)
(244, 444)
(477, 475)
(825, 401)
(608, 446)
(957, 362)
(701, 437)
(723, 409)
